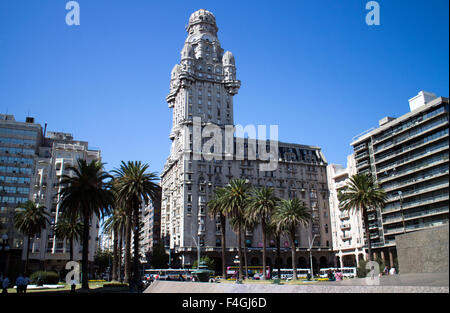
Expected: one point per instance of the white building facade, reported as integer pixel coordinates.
(347, 226)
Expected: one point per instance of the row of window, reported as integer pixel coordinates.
(19, 151)
(15, 170)
(17, 141)
(15, 179)
(6, 199)
(13, 189)
(13, 160)
(20, 132)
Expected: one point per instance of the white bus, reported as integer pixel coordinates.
(348, 272)
(169, 273)
(287, 273)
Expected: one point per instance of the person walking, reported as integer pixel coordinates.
(392, 271)
(26, 282)
(386, 270)
(19, 283)
(5, 284)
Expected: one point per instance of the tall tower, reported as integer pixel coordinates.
(202, 85)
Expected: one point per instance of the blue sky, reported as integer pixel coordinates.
(312, 67)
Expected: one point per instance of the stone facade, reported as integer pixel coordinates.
(424, 251)
(203, 86)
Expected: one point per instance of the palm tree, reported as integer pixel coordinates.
(30, 219)
(249, 223)
(235, 198)
(69, 227)
(262, 204)
(136, 186)
(273, 230)
(217, 208)
(362, 193)
(85, 194)
(115, 224)
(288, 216)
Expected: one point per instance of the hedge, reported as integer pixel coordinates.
(44, 277)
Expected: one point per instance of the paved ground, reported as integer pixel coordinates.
(407, 283)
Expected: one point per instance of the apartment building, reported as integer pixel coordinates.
(408, 156)
(19, 144)
(56, 154)
(346, 226)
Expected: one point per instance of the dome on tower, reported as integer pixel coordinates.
(228, 58)
(202, 16)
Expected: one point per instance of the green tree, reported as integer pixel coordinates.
(261, 206)
(235, 198)
(102, 260)
(158, 256)
(207, 261)
(136, 186)
(287, 217)
(217, 208)
(69, 227)
(362, 193)
(85, 194)
(30, 219)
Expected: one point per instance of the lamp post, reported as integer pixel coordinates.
(310, 253)
(197, 243)
(5, 248)
(401, 210)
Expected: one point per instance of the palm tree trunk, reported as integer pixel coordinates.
(294, 267)
(245, 257)
(366, 226)
(71, 249)
(222, 229)
(127, 251)
(263, 226)
(28, 255)
(119, 266)
(240, 251)
(115, 254)
(278, 255)
(85, 255)
(136, 244)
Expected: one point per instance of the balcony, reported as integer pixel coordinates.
(345, 226)
(344, 215)
(346, 237)
(360, 147)
(363, 164)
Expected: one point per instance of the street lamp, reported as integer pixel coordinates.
(310, 253)
(401, 210)
(5, 248)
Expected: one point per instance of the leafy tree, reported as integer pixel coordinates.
(207, 261)
(363, 193)
(30, 219)
(158, 256)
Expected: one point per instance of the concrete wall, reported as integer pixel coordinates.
(424, 251)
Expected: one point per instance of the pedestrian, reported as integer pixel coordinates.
(5, 284)
(73, 285)
(392, 271)
(386, 270)
(26, 281)
(19, 283)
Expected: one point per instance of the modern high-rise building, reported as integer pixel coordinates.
(408, 156)
(19, 144)
(202, 87)
(346, 226)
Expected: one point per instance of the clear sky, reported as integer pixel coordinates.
(312, 67)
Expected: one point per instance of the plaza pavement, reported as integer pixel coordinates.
(407, 283)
